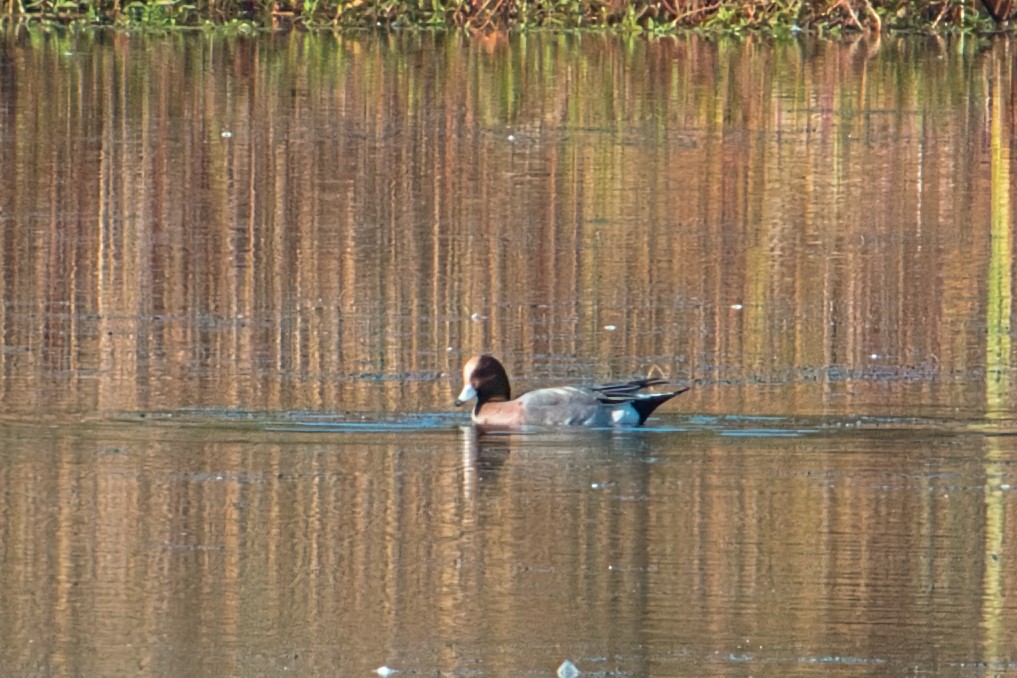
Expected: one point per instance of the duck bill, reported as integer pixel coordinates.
(469, 393)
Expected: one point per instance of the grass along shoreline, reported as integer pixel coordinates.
(777, 17)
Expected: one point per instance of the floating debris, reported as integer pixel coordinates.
(567, 670)
(385, 671)
(610, 328)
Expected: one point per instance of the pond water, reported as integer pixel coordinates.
(240, 276)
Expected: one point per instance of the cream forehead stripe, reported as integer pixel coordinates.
(468, 368)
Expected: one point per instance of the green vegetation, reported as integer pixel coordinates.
(656, 17)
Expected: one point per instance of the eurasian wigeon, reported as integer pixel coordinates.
(621, 404)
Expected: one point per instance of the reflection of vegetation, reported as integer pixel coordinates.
(999, 311)
(781, 17)
(1000, 301)
(738, 210)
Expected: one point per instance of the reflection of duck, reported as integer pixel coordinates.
(487, 452)
(621, 404)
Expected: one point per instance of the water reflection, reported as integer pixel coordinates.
(330, 223)
(239, 277)
(228, 549)
(997, 382)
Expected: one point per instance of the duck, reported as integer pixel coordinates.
(486, 381)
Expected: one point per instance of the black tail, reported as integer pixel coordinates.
(646, 404)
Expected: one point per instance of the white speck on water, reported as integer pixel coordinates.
(512, 137)
(385, 671)
(476, 317)
(1004, 486)
(226, 134)
(874, 356)
(610, 328)
(449, 349)
(567, 670)
(736, 307)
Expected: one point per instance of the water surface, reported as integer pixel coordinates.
(239, 277)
